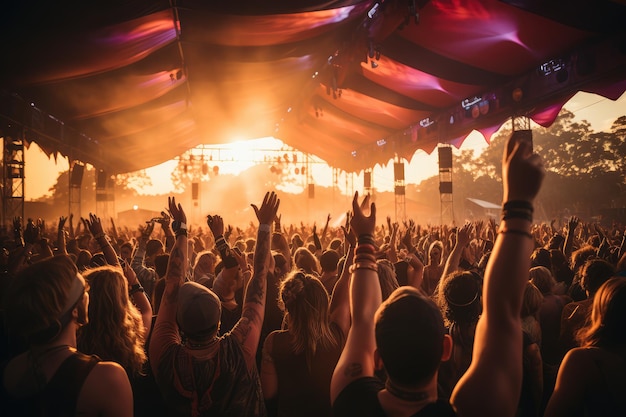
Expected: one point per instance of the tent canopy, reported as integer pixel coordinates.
(129, 84)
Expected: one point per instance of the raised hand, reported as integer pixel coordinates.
(216, 225)
(363, 220)
(94, 225)
(177, 214)
(522, 171)
(164, 220)
(572, 223)
(464, 235)
(31, 233)
(267, 212)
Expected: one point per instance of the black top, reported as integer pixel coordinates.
(60, 395)
(360, 398)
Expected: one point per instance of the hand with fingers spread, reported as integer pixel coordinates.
(94, 225)
(267, 212)
(179, 219)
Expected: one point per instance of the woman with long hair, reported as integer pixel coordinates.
(591, 380)
(299, 360)
(115, 330)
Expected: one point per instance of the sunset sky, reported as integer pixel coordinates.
(41, 172)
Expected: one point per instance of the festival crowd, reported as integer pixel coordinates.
(374, 318)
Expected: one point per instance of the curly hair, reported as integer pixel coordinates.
(461, 297)
(306, 304)
(115, 330)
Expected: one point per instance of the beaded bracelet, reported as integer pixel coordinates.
(364, 265)
(365, 248)
(365, 258)
(366, 238)
(516, 232)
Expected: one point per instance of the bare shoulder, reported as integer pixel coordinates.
(106, 391)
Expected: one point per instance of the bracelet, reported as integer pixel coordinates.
(365, 257)
(135, 289)
(176, 226)
(366, 238)
(99, 236)
(365, 248)
(516, 232)
(372, 266)
(181, 232)
(264, 227)
(517, 205)
(517, 214)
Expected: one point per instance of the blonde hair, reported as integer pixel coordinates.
(608, 316)
(542, 278)
(305, 259)
(306, 304)
(532, 300)
(115, 330)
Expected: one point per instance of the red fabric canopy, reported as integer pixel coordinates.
(129, 84)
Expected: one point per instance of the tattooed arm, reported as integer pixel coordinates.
(165, 332)
(357, 358)
(248, 329)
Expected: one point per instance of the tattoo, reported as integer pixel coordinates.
(242, 329)
(175, 267)
(353, 369)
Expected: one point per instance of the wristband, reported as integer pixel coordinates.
(264, 227)
(99, 236)
(517, 205)
(135, 289)
(517, 214)
(181, 232)
(176, 226)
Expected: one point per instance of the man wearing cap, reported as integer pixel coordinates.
(202, 374)
(405, 335)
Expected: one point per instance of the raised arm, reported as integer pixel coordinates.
(340, 300)
(61, 246)
(248, 328)
(463, 236)
(165, 329)
(492, 384)
(94, 225)
(357, 357)
(138, 296)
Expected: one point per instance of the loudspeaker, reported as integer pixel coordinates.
(311, 190)
(76, 176)
(445, 157)
(367, 179)
(445, 187)
(194, 190)
(398, 171)
(101, 180)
